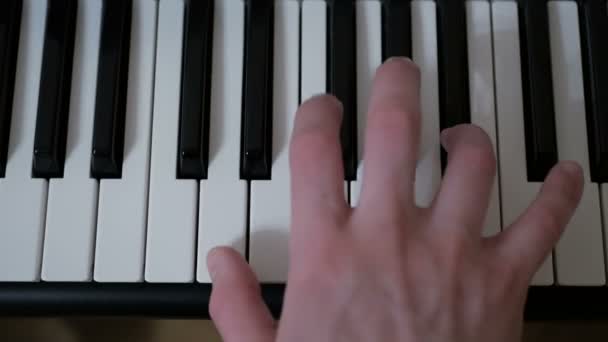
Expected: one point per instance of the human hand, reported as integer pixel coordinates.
(389, 270)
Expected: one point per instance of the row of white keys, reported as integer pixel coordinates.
(22, 198)
(481, 90)
(223, 195)
(369, 57)
(424, 54)
(172, 206)
(270, 206)
(516, 192)
(72, 200)
(123, 203)
(579, 255)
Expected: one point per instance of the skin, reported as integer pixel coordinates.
(389, 270)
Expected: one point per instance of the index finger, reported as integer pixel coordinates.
(317, 173)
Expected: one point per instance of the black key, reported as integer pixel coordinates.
(112, 82)
(10, 22)
(256, 130)
(396, 29)
(193, 142)
(55, 87)
(594, 30)
(453, 65)
(539, 113)
(341, 75)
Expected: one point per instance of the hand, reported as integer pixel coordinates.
(389, 270)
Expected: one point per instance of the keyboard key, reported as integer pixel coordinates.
(594, 30)
(396, 29)
(424, 43)
(541, 146)
(517, 192)
(10, 22)
(123, 203)
(453, 65)
(193, 154)
(222, 206)
(481, 91)
(71, 213)
(23, 199)
(342, 75)
(111, 100)
(270, 211)
(369, 57)
(256, 131)
(171, 236)
(55, 85)
(314, 50)
(574, 265)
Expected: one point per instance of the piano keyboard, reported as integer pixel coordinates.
(137, 135)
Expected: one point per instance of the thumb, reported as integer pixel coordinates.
(236, 306)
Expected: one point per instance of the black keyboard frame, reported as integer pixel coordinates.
(191, 300)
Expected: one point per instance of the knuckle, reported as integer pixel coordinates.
(569, 188)
(308, 145)
(395, 123)
(480, 156)
(548, 219)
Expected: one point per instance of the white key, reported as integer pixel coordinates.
(424, 53)
(369, 57)
(171, 239)
(223, 196)
(481, 90)
(517, 193)
(579, 255)
(123, 203)
(72, 200)
(270, 200)
(314, 41)
(23, 199)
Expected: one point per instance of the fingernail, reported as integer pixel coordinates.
(314, 96)
(328, 97)
(572, 168)
(214, 264)
(400, 59)
(446, 136)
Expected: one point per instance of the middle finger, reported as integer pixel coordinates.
(392, 134)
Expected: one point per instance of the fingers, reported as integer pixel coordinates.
(317, 171)
(392, 133)
(463, 198)
(529, 240)
(236, 306)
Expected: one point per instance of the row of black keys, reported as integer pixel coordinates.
(256, 137)
(55, 86)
